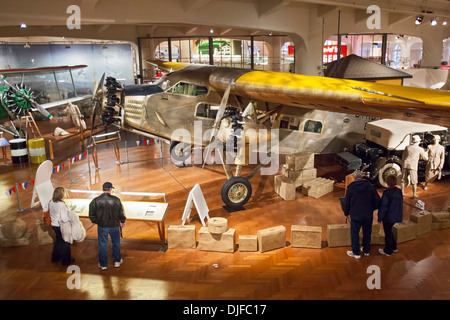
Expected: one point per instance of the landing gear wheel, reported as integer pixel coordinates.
(236, 192)
(179, 151)
(389, 169)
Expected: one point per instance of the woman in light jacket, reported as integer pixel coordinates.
(58, 212)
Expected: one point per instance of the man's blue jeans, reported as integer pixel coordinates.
(355, 226)
(103, 245)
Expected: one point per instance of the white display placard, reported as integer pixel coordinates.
(196, 197)
(43, 187)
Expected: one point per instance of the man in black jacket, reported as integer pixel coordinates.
(107, 212)
(361, 200)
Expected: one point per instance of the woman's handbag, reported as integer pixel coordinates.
(46, 218)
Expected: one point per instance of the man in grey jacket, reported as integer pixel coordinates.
(411, 156)
(107, 212)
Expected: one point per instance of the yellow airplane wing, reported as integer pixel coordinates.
(168, 65)
(345, 96)
(335, 95)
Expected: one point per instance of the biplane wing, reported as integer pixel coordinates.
(330, 94)
(43, 88)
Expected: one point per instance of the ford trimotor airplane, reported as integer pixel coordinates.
(309, 113)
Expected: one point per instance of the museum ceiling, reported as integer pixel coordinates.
(128, 20)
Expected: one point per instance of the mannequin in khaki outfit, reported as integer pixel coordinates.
(411, 156)
(436, 158)
(76, 116)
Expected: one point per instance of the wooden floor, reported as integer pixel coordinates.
(420, 270)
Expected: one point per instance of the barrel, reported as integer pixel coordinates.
(37, 150)
(19, 153)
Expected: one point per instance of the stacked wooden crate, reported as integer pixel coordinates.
(217, 236)
(299, 168)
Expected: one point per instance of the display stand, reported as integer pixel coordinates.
(102, 139)
(134, 210)
(196, 197)
(43, 187)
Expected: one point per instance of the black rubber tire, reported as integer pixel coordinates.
(242, 195)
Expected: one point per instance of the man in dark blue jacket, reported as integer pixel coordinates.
(361, 199)
(390, 212)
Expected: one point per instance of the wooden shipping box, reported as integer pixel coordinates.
(284, 187)
(377, 236)
(248, 243)
(439, 216)
(318, 187)
(440, 225)
(404, 231)
(423, 220)
(338, 235)
(224, 242)
(301, 176)
(181, 237)
(300, 161)
(271, 238)
(306, 236)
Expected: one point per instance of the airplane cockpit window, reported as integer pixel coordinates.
(313, 126)
(205, 110)
(291, 123)
(188, 89)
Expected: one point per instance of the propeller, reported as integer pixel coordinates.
(219, 115)
(20, 100)
(97, 101)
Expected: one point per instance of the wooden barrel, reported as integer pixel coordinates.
(37, 150)
(19, 152)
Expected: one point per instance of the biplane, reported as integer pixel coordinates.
(36, 89)
(308, 113)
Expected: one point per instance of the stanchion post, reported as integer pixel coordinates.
(18, 199)
(70, 173)
(126, 153)
(89, 161)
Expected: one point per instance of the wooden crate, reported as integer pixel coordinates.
(224, 242)
(301, 176)
(318, 187)
(404, 231)
(300, 161)
(181, 237)
(306, 237)
(423, 220)
(338, 235)
(271, 238)
(248, 243)
(284, 187)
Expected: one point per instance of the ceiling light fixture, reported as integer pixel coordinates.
(433, 22)
(419, 20)
(444, 23)
(211, 31)
(27, 45)
(23, 26)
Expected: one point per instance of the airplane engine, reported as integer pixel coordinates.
(112, 110)
(17, 102)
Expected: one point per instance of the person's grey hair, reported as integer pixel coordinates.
(358, 174)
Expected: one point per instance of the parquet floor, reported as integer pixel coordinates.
(420, 270)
